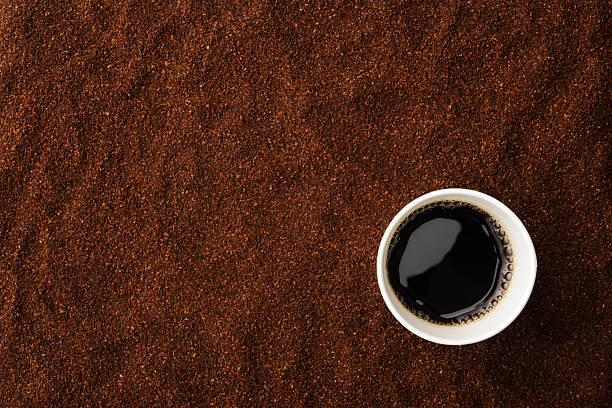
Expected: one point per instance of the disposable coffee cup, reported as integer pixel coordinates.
(515, 298)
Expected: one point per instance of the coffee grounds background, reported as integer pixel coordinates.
(192, 197)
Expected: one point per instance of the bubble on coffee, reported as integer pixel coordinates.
(450, 262)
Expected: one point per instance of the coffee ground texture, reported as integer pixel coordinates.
(192, 195)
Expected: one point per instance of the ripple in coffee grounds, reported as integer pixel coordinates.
(448, 262)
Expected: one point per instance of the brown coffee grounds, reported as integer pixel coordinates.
(192, 197)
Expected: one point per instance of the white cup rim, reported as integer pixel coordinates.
(494, 325)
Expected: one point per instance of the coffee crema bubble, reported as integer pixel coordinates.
(450, 262)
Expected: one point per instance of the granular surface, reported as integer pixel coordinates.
(192, 195)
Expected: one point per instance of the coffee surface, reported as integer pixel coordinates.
(445, 261)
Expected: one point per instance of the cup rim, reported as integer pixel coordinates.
(387, 291)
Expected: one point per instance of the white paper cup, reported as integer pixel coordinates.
(509, 307)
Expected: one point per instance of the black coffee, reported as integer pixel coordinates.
(450, 262)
